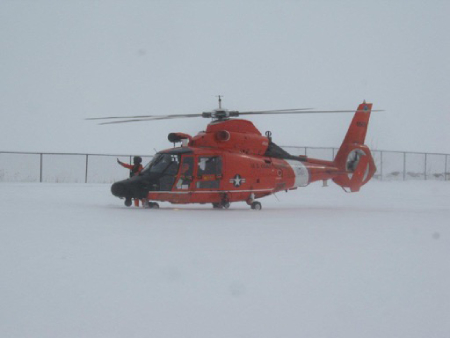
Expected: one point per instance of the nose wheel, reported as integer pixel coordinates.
(128, 202)
(150, 205)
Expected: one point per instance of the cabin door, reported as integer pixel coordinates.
(186, 174)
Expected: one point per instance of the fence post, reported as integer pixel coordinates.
(445, 172)
(404, 166)
(86, 174)
(306, 153)
(40, 168)
(333, 154)
(425, 169)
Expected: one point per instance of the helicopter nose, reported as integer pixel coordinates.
(119, 189)
(130, 188)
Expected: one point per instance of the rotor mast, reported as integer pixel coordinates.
(220, 101)
(220, 114)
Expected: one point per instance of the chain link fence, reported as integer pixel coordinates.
(392, 165)
(63, 168)
(103, 168)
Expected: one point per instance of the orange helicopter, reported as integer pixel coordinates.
(232, 161)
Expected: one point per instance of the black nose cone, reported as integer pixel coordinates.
(134, 187)
(119, 189)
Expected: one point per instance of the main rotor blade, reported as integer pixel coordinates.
(272, 110)
(154, 118)
(276, 112)
(144, 117)
(180, 115)
(141, 118)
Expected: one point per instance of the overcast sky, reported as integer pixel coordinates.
(63, 61)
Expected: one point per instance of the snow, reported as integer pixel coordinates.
(317, 262)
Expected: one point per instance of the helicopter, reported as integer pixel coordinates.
(231, 161)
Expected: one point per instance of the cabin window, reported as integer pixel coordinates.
(209, 172)
(211, 165)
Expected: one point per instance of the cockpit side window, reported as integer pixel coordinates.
(172, 167)
(166, 164)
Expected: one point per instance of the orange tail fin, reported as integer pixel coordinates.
(354, 158)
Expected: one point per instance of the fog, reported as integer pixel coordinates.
(62, 62)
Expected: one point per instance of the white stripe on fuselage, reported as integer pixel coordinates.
(301, 173)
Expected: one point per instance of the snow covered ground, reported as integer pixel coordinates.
(74, 262)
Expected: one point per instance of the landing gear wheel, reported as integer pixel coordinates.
(221, 205)
(128, 202)
(153, 205)
(256, 206)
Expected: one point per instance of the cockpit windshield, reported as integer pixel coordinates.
(166, 164)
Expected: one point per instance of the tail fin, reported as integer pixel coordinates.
(354, 158)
